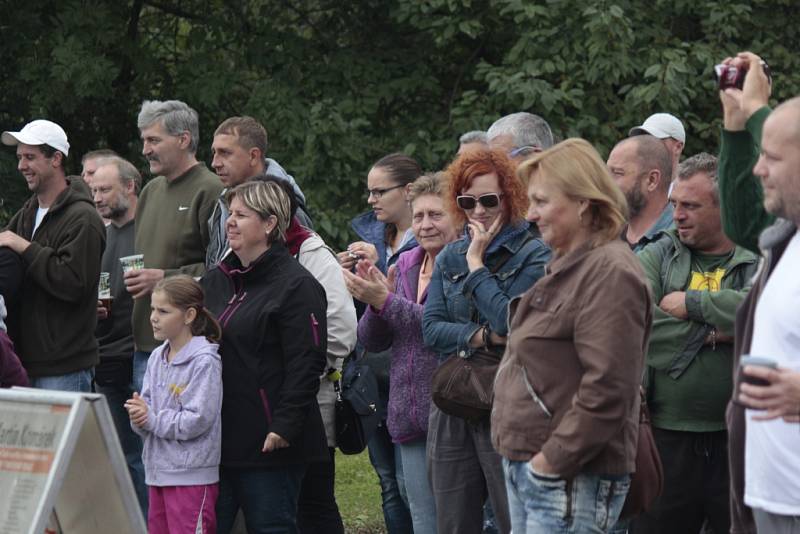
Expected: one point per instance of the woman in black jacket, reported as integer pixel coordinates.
(273, 349)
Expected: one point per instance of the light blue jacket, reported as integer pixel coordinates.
(454, 293)
(183, 429)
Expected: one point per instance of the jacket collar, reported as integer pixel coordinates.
(368, 227)
(780, 231)
(740, 255)
(187, 353)
(232, 267)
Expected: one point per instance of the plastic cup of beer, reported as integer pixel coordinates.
(130, 263)
(104, 291)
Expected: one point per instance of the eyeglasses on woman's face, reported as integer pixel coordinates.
(487, 200)
(379, 192)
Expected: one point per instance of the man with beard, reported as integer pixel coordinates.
(115, 185)
(642, 167)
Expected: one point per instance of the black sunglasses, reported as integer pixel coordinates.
(488, 200)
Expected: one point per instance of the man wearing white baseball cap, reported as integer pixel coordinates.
(670, 130)
(60, 238)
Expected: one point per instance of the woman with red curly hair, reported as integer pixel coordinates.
(467, 309)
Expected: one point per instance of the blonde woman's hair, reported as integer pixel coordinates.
(266, 199)
(432, 183)
(575, 168)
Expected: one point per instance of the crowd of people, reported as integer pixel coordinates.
(215, 320)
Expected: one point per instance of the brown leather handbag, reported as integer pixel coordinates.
(647, 482)
(464, 387)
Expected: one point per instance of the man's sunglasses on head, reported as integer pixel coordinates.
(468, 202)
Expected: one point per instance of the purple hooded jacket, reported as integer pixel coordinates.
(183, 428)
(399, 325)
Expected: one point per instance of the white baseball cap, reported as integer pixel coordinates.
(661, 125)
(39, 132)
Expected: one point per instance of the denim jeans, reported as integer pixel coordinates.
(384, 459)
(79, 381)
(418, 487)
(130, 442)
(465, 472)
(588, 503)
(317, 511)
(267, 497)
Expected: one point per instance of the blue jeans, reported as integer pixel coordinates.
(79, 381)
(384, 458)
(131, 443)
(588, 503)
(418, 488)
(267, 497)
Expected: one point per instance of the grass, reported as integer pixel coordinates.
(358, 494)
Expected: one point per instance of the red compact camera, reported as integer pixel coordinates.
(730, 76)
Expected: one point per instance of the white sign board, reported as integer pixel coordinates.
(61, 466)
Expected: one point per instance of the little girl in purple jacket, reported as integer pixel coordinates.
(178, 411)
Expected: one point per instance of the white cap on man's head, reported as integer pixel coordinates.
(661, 125)
(39, 132)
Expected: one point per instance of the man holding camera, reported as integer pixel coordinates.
(760, 194)
(698, 277)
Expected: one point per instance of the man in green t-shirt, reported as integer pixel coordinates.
(698, 277)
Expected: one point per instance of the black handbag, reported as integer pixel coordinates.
(356, 407)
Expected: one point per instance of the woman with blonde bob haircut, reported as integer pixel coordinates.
(576, 169)
(273, 349)
(566, 406)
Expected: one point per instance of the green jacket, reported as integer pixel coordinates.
(58, 304)
(741, 195)
(668, 265)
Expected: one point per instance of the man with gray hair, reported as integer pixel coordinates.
(172, 213)
(698, 278)
(642, 168)
(472, 140)
(115, 186)
(520, 135)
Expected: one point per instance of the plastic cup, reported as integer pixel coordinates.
(130, 263)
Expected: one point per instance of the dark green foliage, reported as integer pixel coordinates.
(339, 84)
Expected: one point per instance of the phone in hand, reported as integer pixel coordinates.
(759, 361)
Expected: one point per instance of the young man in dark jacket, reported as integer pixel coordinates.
(61, 239)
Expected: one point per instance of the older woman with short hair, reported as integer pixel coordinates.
(474, 277)
(273, 349)
(566, 406)
(394, 320)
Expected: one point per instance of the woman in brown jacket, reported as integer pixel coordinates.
(566, 401)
